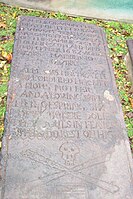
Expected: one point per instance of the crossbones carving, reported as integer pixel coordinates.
(75, 171)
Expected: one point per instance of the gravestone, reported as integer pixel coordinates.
(121, 10)
(65, 136)
(129, 61)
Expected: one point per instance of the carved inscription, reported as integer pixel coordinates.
(63, 121)
(61, 92)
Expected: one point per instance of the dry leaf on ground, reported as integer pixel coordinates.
(2, 25)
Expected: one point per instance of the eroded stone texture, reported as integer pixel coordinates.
(129, 61)
(65, 136)
(103, 9)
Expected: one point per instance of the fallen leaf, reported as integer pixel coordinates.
(4, 54)
(2, 63)
(124, 32)
(14, 15)
(4, 38)
(5, 69)
(2, 25)
(130, 115)
(131, 101)
(2, 102)
(9, 58)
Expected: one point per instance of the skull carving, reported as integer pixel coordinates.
(69, 151)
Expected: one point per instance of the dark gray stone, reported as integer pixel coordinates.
(130, 48)
(65, 136)
(129, 61)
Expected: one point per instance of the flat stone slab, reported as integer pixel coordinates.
(65, 136)
(130, 48)
(104, 9)
(129, 61)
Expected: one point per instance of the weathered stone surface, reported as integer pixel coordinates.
(65, 136)
(130, 48)
(103, 9)
(129, 61)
